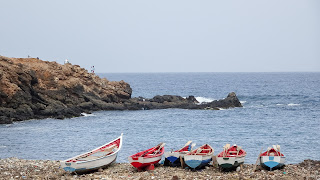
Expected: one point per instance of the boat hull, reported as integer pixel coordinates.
(81, 167)
(142, 162)
(272, 162)
(197, 161)
(230, 162)
(173, 158)
(95, 159)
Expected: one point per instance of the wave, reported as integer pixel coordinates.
(293, 104)
(242, 102)
(85, 114)
(204, 100)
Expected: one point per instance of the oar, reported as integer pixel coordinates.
(255, 166)
(187, 144)
(162, 145)
(150, 150)
(238, 149)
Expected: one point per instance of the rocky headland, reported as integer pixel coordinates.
(31, 88)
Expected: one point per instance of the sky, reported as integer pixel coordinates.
(167, 35)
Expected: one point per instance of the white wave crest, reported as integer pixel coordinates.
(85, 114)
(279, 104)
(221, 109)
(242, 102)
(204, 100)
(293, 104)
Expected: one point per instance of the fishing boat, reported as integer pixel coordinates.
(146, 159)
(172, 158)
(231, 157)
(200, 157)
(94, 159)
(272, 158)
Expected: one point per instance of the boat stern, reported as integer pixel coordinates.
(272, 161)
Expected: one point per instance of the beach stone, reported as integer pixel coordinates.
(175, 178)
(238, 169)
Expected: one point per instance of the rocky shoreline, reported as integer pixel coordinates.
(31, 88)
(14, 168)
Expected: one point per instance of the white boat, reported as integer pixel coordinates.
(95, 159)
(231, 157)
(272, 158)
(172, 158)
(200, 157)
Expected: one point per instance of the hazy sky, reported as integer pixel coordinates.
(166, 35)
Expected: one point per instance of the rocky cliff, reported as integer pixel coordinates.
(34, 89)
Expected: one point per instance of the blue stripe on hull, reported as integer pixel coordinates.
(69, 169)
(172, 159)
(193, 163)
(197, 164)
(271, 165)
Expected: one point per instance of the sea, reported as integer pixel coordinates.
(278, 108)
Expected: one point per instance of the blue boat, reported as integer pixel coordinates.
(172, 158)
(199, 157)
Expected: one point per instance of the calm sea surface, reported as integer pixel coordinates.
(279, 108)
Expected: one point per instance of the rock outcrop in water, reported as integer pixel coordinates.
(34, 89)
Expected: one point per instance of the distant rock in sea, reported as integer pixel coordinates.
(34, 89)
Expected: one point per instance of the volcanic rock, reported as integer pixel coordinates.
(34, 89)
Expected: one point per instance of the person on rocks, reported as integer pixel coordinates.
(66, 61)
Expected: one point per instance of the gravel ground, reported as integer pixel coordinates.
(14, 168)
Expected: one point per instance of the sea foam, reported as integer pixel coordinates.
(293, 104)
(85, 114)
(204, 100)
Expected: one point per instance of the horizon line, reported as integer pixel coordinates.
(215, 72)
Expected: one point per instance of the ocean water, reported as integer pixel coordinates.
(279, 108)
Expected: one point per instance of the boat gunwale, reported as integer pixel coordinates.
(99, 158)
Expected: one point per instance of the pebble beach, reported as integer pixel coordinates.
(14, 168)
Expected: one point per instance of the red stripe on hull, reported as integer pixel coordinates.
(141, 166)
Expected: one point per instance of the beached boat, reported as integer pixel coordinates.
(231, 157)
(95, 159)
(172, 158)
(200, 157)
(146, 159)
(272, 158)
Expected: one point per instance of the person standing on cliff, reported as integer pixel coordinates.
(66, 61)
(92, 69)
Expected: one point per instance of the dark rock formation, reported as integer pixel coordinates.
(34, 89)
(170, 101)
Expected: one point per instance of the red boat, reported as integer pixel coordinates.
(146, 159)
(231, 157)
